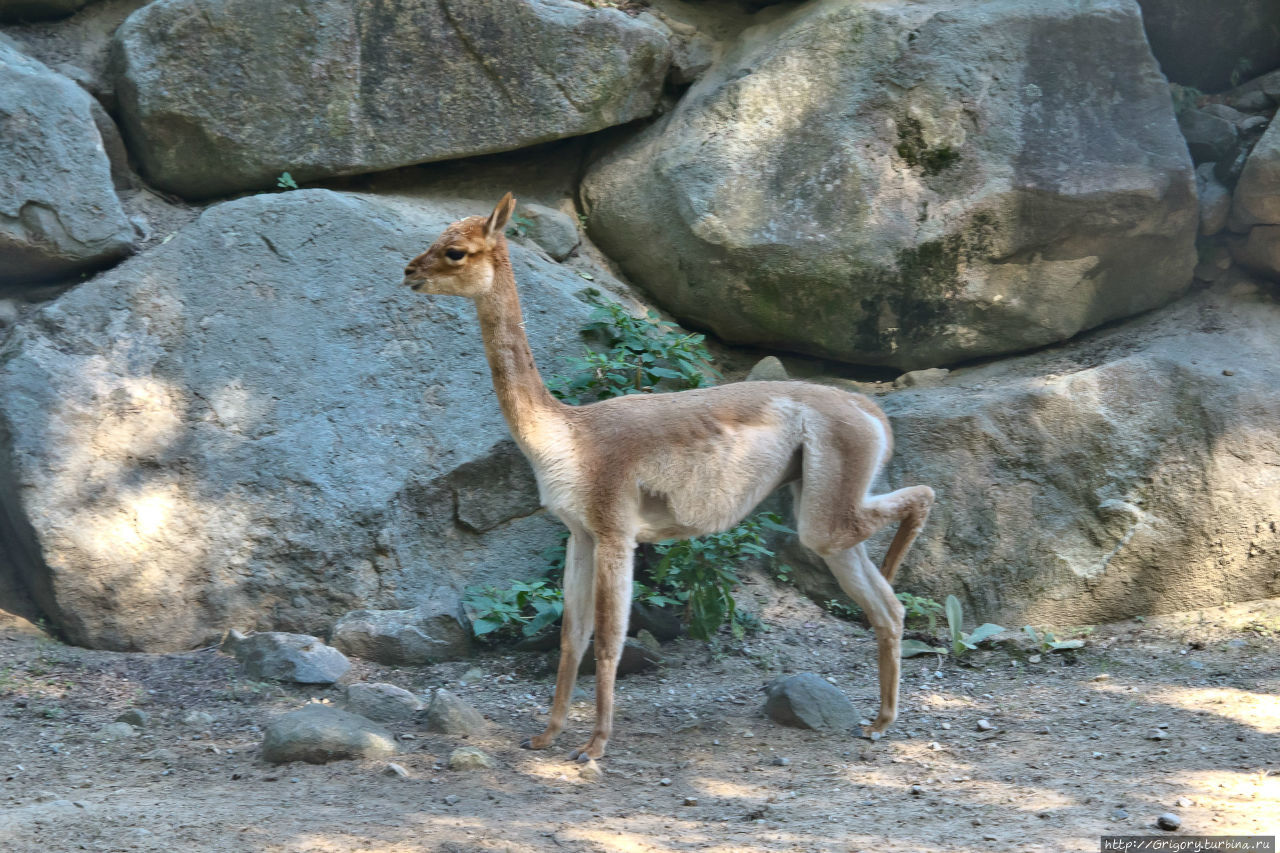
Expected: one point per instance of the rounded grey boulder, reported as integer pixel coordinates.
(290, 657)
(318, 734)
(808, 701)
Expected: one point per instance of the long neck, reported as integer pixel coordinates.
(525, 401)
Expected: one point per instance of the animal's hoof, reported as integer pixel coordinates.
(578, 755)
(583, 758)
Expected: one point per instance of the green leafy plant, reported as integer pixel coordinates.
(286, 182)
(1184, 97)
(921, 608)
(961, 643)
(522, 609)
(1047, 642)
(519, 226)
(641, 355)
(700, 574)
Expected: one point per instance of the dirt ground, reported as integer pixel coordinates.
(693, 766)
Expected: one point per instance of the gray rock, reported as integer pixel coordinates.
(396, 771)
(453, 716)
(808, 701)
(664, 623)
(470, 758)
(768, 369)
(224, 96)
(916, 225)
(58, 209)
(1210, 45)
(1215, 201)
(1257, 194)
(1169, 821)
(1210, 138)
(437, 630)
(931, 378)
(1078, 523)
(135, 717)
(198, 719)
(39, 10)
(1117, 814)
(291, 657)
(119, 731)
(1260, 251)
(272, 452)
(382, 703)
(554, 231)
(318, 734)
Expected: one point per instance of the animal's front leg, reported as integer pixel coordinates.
(613, 607)
(575, 633)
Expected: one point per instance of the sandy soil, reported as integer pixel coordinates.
(694, 765)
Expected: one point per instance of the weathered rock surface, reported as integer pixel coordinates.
(452, 715)
(436, 630)
(470, 758)
(549, 228)
(1135, 472)
(986, 184)
(319, 734)
(39, 10)
(383, 703)
(58, 209)
(254, 424)
(808, 701)
(1209, 45)
(636, 657)
(290, 657)
(1257, 194)
(224, 96)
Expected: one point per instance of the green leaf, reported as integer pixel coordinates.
(1031, 632)
(911, 648)
(1066, 644)
(954, 617)
(984, 632)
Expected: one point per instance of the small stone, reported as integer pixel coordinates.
(297, 658)
(779, 761)
(1228, 373)
(985, 726)
(917, 790)
(470, 758)
(119, 731)
(1157, 734)
(930, 378)
(807, 701)
(135, 717)
(768, 369)
(166, 756)
(1169, 821)
(321, 733)
(1183, 803)
(393, 769)
(946, 726)
(451, 715)
(384, 703)
(664, 781)
(198, 719)
(451, 800)
(1033, 659)
(690, 801)
(1102, 676)
(1097, 755)
(1118, 814)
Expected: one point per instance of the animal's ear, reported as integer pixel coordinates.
(500, 217)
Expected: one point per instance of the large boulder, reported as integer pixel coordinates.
(1134, 472)
(39, 10)
(58, 209)
(254, 424)
(436, 630)
(1213, 46)
(911, 183)
(225, 95)
(318, 734)
(296, 658)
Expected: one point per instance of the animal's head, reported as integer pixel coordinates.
(460, 261)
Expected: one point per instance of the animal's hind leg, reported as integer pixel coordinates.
(861, 581)
(910, 507)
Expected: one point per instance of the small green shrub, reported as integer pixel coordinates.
(1047, 642)
(519, 226)
(286, 182)
(921, 608)
(522, 609)
(642, 355)
(962, 643)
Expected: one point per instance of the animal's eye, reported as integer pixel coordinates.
(454, 254)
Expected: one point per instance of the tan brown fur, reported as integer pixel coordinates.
(651, 467)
